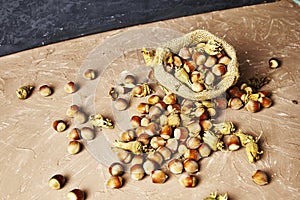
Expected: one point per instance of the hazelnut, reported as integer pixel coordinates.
(74, 134)
(189, 66)
(70, 87)
(177, 61)
(166, 132)
(198, 87)
(195, 76)
(137, 172)
(211, 61)
(74, 147)
(137, 90)
(235, 103)
(252, 106)
(232, 142)
(137, 159)
(45, 90)
(144, 138)
(87, 133)
(57, 181)
(158, 176)
(116, 169)
(235, 92)
(115, 182)
(173, 107)
(274, 63)
(153, 99)
(182, 148)
(149, 166)
(89, 74)
(121, 104)
(127, 136)
(170, 98)
(199, 58)
(193, 142)
(193, 127)
(154, 112)
(135, 121)
(145, 121)
(209, 78)
(165, 152)
(204, 150)
(260, 177)
(157, 141)
(124, 156)
(206, 124)
(175, 166)
(76, 194)
(80, 117)
(162, 105)
(129, 79)
(156, 157)
(190, 166)
(192, 154)
(71, 110)
(219, 69)
(266, 102)
(221, 102)
(185, 53)
(187, 180)
(151, 128)
(59, 125)
(143, 108)
(211, 112)
(181, 133)
(172, 144)
(224, 60)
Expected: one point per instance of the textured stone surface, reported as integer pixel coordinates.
(31, 151)
(26, 24)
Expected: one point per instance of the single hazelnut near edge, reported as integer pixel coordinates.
(70, 87)
(274, 63)
(59, 125)
(74, 147)
(57, 181)
(76, 194)
(45, 90)
(89, 74)
(260, 177)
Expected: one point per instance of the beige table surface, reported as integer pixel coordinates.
(31, 151)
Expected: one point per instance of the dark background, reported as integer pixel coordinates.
(26, 24)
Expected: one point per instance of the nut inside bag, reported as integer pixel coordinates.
(197, 66)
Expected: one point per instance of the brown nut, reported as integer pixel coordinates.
(74, 134)
(74, 147)
(172, 144)
(235, 103)
(157, 141)
(59, 125)
(204, 150)
(219, 69)
(76, 194)
(170, 99)
(165, 152)
(124, 156)
(187, 180)
(57, 181)
(143, 108)
(205, 124)
(116, 169)
(87, 133)
(135, 121)
(45, 90)
(175, 166)
(72, 110)
(144, 138)
(232, 142)
(80, 117)
(266, 102)
(158, 176)
(137, 159)
(224, 60)
(89, 74)
(274, 63)
(115, 182)
(190, 166)
(181, 133)
(166, 132)
(193, 142)
(153, 99)
(185, 53)
(260, 177)
(127, 136)
(149, 166)
(137, 172)
(210, 61)
(252, 106)
(156, 157)
(192, 154)
(70, 87)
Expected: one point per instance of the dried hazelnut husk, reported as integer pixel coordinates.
(45, 90)
(116, 169)
(59, 125)
(137, 172)
(74, 147)
(57, 181)
(260, 177)
(188, 180)
(175, 166)
(158, 176)
(76, 194)
(70, 87)
(115, 182)
(89, 74)
(24, 92)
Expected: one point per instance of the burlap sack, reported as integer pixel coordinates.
(174, 85)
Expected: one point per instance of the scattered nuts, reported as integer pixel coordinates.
(123, 155)
(235, 103)
(59, 125)
(74, 147)
(70, 87)
(252, 106)
(232, 142)
(192, 154)
(266, 102)
(116, 169)
(260, 177)
(24, 92)
(137, 172)
(274, 63)
(115, 182)
(45, 90)
(74, 134)
(89, 74)
(149, 166)
(121, 104)
(158, 176)
(87, 133)
(76, 194)
(57, 181)
(187, 180)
